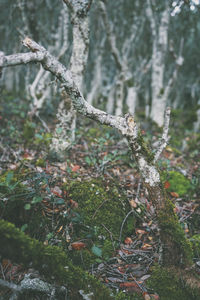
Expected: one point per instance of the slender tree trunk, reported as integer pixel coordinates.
(64, 134)
(160, 44)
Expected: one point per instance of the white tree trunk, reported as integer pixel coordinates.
(64, 134)
(131, 99)
(160, 44)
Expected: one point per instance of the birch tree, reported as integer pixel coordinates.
(64, 133)
(126, 84)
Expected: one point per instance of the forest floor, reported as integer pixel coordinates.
(38, 183)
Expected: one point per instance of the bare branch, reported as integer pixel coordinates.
(164, 139)
(20, 58)
(51, 64)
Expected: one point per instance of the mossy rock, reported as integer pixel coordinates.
(170, 285)
(178, 182)
(101, 206)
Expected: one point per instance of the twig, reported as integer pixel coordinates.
(98, 208)
(164, 139)
(43, 122)
(132, 211)
(111, 235)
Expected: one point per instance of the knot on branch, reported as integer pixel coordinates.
(131, 126)
(32, 45)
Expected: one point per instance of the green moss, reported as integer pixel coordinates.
(195, 240)
(50, 261)
(40, 162)
(178, 182)
(171, 228)
(170, 286)
(148, 154)
(94, 132)
(29, 130)
(99, 207)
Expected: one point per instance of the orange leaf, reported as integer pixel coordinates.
(166, 184)
(128, 284)
(145, 246)
(174, 194)
(128, 241)
(139, 231)
(78, 245)
(133, 204)
(73, 203)
(146, 296)
(154, 296)
(59, 230)
(75, 168)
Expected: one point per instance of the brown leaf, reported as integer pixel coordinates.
(59, 229)
(78, 245)
(128, 284)
(128, 241)
(146, 296)
(57, 191)
(146, 246)
(166, 184)
(174, 194)
(75, 168)
(73, 203)
(132, 203)
(155, 296)
(139, 231)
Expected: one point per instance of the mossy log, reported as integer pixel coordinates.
(51, 261)
(175, 284)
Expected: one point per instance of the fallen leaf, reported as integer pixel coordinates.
(78, 245)
(155, 296)
(146, 246)
(132, 203)
(174, 194)
(59, 230)
(128, 284)
(166, 184)
(146, 296)
(75, 168)
(73, 203)
(128, 241)
(139, 231)
(57, 191)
